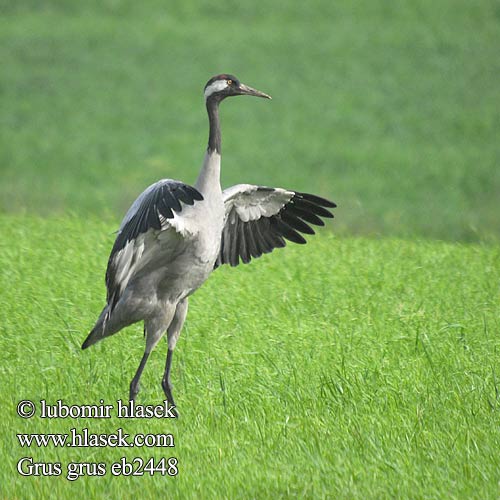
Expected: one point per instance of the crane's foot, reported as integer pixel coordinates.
(167, 389)
(134, 389)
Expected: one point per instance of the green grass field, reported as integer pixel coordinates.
(363, 365)
(352, 368)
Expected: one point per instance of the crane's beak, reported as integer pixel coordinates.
(246, 90)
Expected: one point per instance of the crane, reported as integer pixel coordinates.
(175, 235)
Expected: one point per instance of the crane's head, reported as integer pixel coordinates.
(221, 86)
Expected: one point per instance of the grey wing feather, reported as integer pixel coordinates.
(259, 219)
(150, 210)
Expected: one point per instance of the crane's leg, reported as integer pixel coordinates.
(154, 329)
(173, 332)
(166, 383)
(134, 385)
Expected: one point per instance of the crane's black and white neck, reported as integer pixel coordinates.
(216, 90)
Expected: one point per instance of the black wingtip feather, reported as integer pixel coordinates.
(318, 200)
(195, 194)
(171, 198)
(296, 223)
(311, 207)
(304, 214)
(283, 229)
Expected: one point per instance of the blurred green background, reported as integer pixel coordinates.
(390, 109)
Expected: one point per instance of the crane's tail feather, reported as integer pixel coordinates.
(100, 330)
(91, 339)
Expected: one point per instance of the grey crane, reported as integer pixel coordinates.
(174, 235)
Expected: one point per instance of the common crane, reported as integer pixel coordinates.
(174, 235)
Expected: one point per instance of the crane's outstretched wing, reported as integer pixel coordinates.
(259, 219)
(155, 209)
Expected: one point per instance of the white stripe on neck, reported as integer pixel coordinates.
(216, 86)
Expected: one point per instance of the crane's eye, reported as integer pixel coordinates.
(229, 82)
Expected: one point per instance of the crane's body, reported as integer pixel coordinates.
(174, 236)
